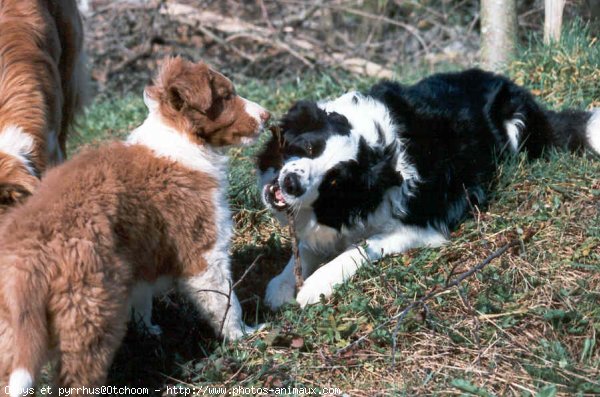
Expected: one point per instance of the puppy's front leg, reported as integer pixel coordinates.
(141, 307)
(212, 293)
(346, 264)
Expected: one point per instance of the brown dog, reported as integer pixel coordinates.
(107, 227)
(41, 89)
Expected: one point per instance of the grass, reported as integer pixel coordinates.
(526, 325)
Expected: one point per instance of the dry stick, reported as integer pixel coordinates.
(431, 294)
(277, 44)
(302, 17)
(409, 28)
(296, 252)
(206, 32)
(231, 288)
(265, 14)
(449, 285)
(276, 131)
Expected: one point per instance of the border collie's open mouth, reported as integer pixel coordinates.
(274, 196)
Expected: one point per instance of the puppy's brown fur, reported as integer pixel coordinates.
(117, 216)
(41, 89)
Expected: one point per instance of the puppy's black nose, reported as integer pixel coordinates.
(292, 185)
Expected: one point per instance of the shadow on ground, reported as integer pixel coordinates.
(147, 361)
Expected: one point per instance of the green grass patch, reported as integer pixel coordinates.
(565, 73)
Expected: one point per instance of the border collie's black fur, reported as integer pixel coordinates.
(397, 167)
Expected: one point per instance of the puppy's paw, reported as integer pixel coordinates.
(250, 329)
(312, 290)
(154, 330)
(278, 293)
(238, 332)
(149, 329)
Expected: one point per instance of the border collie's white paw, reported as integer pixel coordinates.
(278, 293)
(311, 291)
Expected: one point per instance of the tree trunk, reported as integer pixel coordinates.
(553, 13)
(498, 33)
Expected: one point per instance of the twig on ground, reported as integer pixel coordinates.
(276, 131)
(231, 288)
(248, 270)
(409, 28)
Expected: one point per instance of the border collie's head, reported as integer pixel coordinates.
(335, 158)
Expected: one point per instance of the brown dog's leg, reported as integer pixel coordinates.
(212, 294)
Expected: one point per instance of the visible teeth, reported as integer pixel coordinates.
(272, 189)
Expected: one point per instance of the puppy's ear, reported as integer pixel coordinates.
(11, 194)
(191, 91)
(271, 155)
(182, 84)
(221, 85)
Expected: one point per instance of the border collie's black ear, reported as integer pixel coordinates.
(339, 122)
(379, 164)
(393, 95)
(304, 116)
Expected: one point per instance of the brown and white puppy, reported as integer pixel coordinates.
(41, 89)
(113, 223)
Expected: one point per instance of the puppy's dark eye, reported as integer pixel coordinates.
(308, 147)
(333, 182)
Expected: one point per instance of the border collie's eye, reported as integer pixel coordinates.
(309, 148)
(333, 182)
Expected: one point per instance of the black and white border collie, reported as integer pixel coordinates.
(368, 175)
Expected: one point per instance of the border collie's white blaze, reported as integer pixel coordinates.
(369, 175)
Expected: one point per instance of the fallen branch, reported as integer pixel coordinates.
(431, 294)
(409, 28)
(224, 43)
(301, 49)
